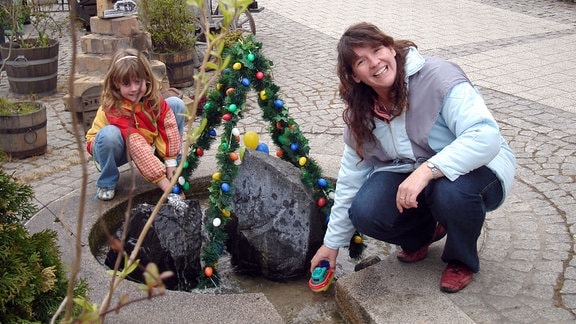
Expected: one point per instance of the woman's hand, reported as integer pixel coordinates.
(324, 253)
(409, 189)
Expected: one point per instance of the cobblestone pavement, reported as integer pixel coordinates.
(521, 56)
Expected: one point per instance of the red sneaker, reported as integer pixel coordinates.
(455, 277)
(420, 254)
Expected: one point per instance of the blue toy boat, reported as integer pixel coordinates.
(321, 277)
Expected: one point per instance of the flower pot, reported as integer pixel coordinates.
(179, 67)
(24, 135)
(31, 71)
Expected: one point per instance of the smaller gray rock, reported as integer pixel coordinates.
(173, 242)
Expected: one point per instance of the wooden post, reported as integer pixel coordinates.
(102, 5)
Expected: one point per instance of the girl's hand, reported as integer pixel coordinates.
(324, 253)
(169, 175)
(170, 172)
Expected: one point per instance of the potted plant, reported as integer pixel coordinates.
(172, 30)
(22, 128)
(31, 58)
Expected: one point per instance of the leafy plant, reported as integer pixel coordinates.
(170, 24)
(8, 107)
(45, 28)
(214, 62)
(13, 16)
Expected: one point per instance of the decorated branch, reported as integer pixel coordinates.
(249, 70)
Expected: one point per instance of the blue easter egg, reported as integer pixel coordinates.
(225, 187)
(322, 182)
(294, 147)
(176, 190)
(245, 82)
(262, 147)
(278, 103)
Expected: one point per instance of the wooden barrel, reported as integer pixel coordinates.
(179, 67)
(32, 71)
(24, 135)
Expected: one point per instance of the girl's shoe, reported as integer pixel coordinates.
(105, 194)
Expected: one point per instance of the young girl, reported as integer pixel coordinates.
(134, 121)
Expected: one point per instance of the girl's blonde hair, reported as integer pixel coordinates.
(129, 65)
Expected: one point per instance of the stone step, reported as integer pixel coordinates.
(98, 64)
(121, 27)
(109, 44)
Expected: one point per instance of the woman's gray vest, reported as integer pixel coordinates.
(427, 89)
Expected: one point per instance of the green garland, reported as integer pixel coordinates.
(224, 105)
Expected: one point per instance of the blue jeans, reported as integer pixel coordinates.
(109, 149)
(460, 206)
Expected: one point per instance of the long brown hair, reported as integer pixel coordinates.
(359, 97)
(128, 65)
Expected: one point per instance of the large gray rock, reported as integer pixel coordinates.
(173, 242)
(276, 226)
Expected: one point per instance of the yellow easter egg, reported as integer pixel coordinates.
(225, 213)
(251, 139)
(216, 176)
(263, 95)
(302, 161)
(237, 66)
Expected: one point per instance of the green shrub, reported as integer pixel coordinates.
(15, 200)
(170, 24)
(33, 282)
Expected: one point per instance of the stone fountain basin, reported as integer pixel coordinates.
(361, 297)
(174, 306)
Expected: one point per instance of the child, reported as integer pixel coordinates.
(133, 119)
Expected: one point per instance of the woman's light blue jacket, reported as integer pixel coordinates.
(465, 137)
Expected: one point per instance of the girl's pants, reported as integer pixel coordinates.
(109, 149)
(460, 206)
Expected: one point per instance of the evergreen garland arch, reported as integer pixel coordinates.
(225, 104)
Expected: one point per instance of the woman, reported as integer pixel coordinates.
(423, 158)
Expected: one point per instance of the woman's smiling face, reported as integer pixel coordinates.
(376, 67)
